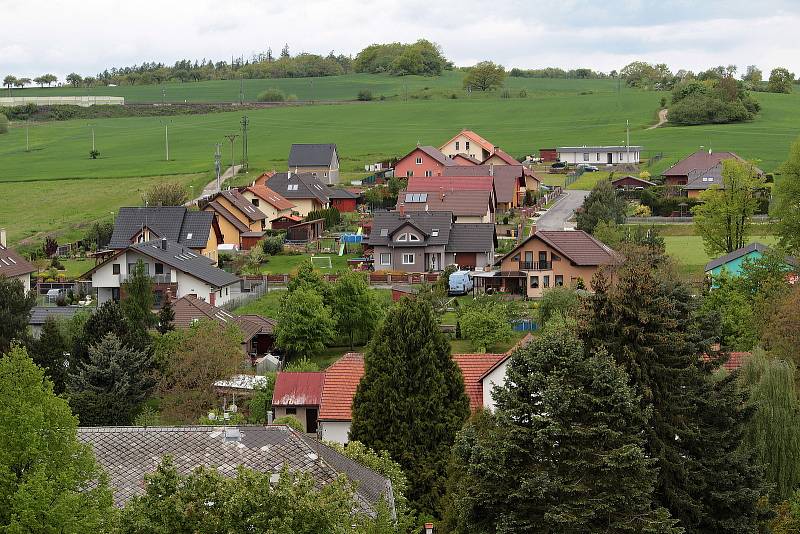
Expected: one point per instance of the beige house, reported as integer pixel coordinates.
(305, 191)
(470, 144)
(243, 209)
(14, 266)
(318, 159)
(268, 201)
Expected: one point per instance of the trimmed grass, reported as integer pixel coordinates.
(288, 264)
(588, 180)
(76, 267)
(691, 256)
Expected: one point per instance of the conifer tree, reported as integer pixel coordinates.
(50, 352)
(138, 302)
(411, 400)
(107, 319)
(108, 387)
(15, 310)
(563, 451)
(166, 316)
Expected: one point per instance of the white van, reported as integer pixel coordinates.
(459, 283)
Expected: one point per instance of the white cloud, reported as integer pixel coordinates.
(63, 36)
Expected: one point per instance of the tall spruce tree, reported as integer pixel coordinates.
(646, 320)
(137, 304)
(411, 401)
(15, 311)
(563, 451)
(50, 352)
(109, 387)
(107, 319)
(166, 316)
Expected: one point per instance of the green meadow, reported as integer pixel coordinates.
(55, 187)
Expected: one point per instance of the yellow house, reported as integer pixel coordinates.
(268, 201)
(244, 210)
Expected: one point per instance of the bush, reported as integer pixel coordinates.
(291, 98)
(271, 95)
(3, 124)
(290, 421)
(94, 154)
(523, 94)
(642, 211)
(365, 95)
(273, 245)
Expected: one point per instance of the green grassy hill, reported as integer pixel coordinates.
(554, 112)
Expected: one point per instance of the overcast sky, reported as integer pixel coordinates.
(86, 36)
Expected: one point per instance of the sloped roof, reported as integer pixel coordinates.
(702, 160)
(189, 309)
(339, 388)
(424, 221)
(311, 155)
(473, 366)
(516, 170)
(307, 186)
(701, 180)
(475, 138)
(337, 192)
(635, 178)
(187, 261)
(465, 160)
(450, 183)
(247, 208)
(176, 223)
(434, 153)
(506, 187)
(460, 202)
(298, 389)
(503, 155)
(12, 264)
(39, 314)
(736, 254)
(472, 237)
(223, 212)
(575, 245)
(128, 454)
(735, 360)
(268, 195)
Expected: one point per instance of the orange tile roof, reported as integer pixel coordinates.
(339, 388)
(503, 155)
(735, 360)
(475, 138)
(473, 366)
(270, 196)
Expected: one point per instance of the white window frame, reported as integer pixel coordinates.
(429, 173)
(418, 161)
(413, 237)
(456, 145)
(407, 255)
(585, 156)
(402, 237)
(387, 256)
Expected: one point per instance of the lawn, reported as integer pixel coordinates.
(288, 264)
(588, 180)
(688, 251)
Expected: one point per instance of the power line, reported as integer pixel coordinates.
(232, 138)
(245, 159)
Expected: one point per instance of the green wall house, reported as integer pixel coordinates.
(733, 261)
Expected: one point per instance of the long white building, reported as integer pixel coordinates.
(599, 155)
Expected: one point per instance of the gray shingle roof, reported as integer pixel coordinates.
(307, 186)
(738, 253)
(425, 221)
(243, 205)
(701, 180)
(129, 453)
(185, 260)
(311, 155)
(39, 314)
(472, 237)
(176, 223)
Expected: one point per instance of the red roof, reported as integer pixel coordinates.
(462, 159)
(475, 138)
(298, 389)
(473, 366)
(735, 360)
(576, 245)
(295, 218)
(339, 388)
(270, 196)
(449, 183)
(701, 160)
(505, 156)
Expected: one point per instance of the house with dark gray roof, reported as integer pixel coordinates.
(318, 159)
(40, 314)
(421, 241)
(174, 269)
(304, 190)
(14, 266)
(196, 230)
(129, 454)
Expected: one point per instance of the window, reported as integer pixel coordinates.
(457, 144)
(535, 282)
(428, 173)
(559, 280)
(384, 232)
(159, 268)
(255, 202)
(402, 237)
(466, 145)
(413, 237)
(115, 268)
(158, 298)
(419, 161)
(325, 174)
(597, 156)
(226, 291)
(292, 187)
(585, 156)
(386, 258)
(189, 235)
(435, 232)
(291, 411)
(546, 280)
(132, 266)
(555, 257)
(409, 174)
(408, 259)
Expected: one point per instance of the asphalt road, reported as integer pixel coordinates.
(556, 217)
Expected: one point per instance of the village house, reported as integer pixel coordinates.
(453, 183)
(305, 191)
(702, 180)
(500, 157)
(467, 206)
(510, 181)
(14, 266)
(196, 230)
(423, 241)
(319, 160)
(258, 333)
(631, 182)
(243, 209)
(233, 230)
(422, 161)
(270, 203)
(733, 262)
(267, 449)
(343, 200)
(548, 258)
(174, 268)
(696, 165)
(461, 159)
(40, 314)
(470, 144)
(298, 394)
(599, 155)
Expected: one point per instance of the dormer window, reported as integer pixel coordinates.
(402, 237)
(413, 237)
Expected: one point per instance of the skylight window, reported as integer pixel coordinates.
(435, 232)
(384, 232)
(292, 187)
(189, 235)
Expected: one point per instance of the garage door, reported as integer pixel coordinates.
(466, 260)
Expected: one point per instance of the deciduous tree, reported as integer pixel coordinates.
(166, 194)
(780, 81)
(356, 309)
(787, 201)
(485, 76)
(305, 324)
(485, 327)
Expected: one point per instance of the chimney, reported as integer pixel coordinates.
(163, 243)
(441, 193)
(402, 209)
(3, 237)
(428, 528)
(491, 169)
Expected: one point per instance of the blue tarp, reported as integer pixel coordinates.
(351, 238)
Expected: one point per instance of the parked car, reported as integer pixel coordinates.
(459, 283)
(559, 165)
(588, 168)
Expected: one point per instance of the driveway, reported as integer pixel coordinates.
(556, 217)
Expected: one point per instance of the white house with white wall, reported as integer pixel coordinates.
(172, 267)
(599, 155)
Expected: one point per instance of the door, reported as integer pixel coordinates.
(610, 158)
(466, 260)
(542, 259)
(311, 420)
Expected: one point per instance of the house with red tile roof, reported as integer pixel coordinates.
(299, 395)
(500, 157)
(734, 361)
(510, 181)
(469, 143)
(467, 206)
(422, 161)
(452, 183)
(697, 164)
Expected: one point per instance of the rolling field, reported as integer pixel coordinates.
(56, 187)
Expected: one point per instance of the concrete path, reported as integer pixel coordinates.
(559, 213)
(211, 187)
(662, 120)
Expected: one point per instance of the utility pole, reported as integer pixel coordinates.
(241, 91)
(627, 141)
(27, 138)
(245, 163)
(166, 135)
(92, 127)
(218, 164)
(232, 138)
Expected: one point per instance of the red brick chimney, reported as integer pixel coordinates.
(402, 209)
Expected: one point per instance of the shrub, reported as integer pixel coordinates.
(642, 211)
(273, 245)
(94, 154)
(291, 98)
(271, 95)
(365, 95)
(523, 94)
(290, 421)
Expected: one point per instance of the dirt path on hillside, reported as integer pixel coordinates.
(662, 119)
(211, 187)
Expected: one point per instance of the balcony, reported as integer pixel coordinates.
(165, 278)
(535, 265)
